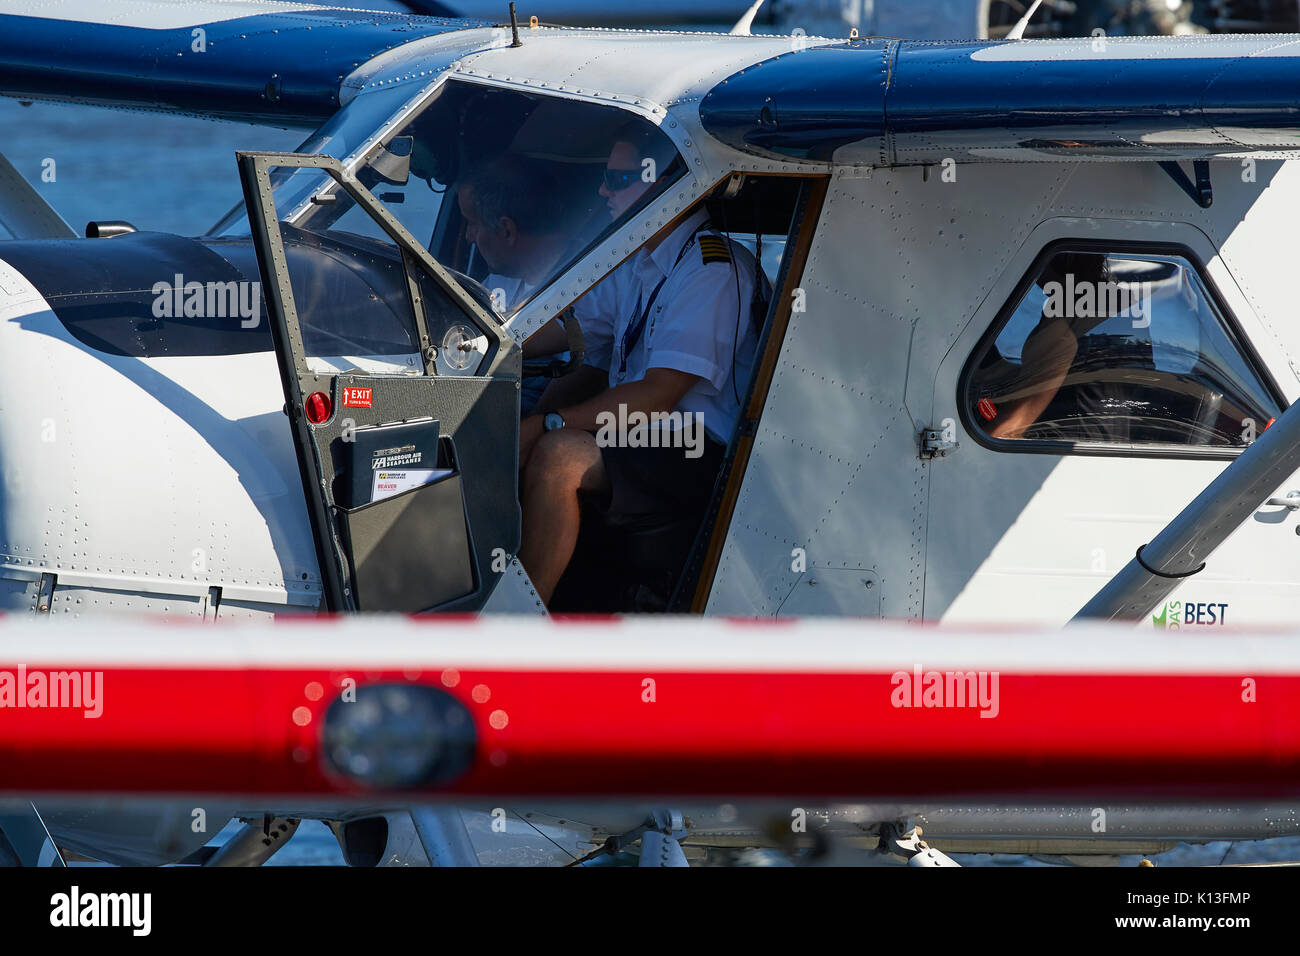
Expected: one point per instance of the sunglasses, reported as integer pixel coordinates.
(618, 179)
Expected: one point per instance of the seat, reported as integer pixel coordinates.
(651, 545)
(625, 567)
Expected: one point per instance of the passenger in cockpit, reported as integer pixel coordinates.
(642, 428)
(513, 215)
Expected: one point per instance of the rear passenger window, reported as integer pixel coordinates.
(1116, 349)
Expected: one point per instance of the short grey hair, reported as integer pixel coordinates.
(514, 187)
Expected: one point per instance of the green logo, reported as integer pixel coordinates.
(1171, 616)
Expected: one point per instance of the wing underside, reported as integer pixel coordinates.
(885, 102)
(266, 62)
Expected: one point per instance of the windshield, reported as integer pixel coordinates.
(341, 136)
(506, 187)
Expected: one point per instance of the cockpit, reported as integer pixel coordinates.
(463, 153)
(508, 190)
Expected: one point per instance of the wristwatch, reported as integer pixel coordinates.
(552, 421)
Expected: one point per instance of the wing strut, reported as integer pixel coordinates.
(24, 212)
(1181, 549)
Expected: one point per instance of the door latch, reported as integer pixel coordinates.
(934, 445)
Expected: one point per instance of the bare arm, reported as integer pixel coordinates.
(659, 391)
(1048, 356)
(550, 339)
(575, 387)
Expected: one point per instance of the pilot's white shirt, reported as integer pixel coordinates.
(692, 326)
(506, 291)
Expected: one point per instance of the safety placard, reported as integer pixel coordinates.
(354, 397)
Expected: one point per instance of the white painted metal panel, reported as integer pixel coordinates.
(838, 592)
(1030, 537)
(77, 602)
(899, 261)
(160, 476)
(18, 596)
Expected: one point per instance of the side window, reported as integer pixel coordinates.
(1116, 349)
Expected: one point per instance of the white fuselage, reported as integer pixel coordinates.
(143, 483)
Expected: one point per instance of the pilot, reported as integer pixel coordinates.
(669, 331)
(514, 217)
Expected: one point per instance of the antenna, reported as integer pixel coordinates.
(741, 29)
(514, 27)
(1017, 32)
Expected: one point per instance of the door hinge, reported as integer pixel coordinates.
(45, 592)
(934, 445)
(212, 603)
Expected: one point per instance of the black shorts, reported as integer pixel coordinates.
(659, 483)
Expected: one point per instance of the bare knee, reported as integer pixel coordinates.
(562, 461)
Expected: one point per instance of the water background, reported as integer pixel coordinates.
(164, 173)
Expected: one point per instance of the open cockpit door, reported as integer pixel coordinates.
(403, 394)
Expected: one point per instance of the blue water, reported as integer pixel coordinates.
(164, 173)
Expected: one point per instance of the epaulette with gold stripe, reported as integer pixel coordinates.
(714, 249)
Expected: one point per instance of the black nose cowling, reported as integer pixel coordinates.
(149, 294)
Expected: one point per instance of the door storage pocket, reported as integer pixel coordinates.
(411, 552)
